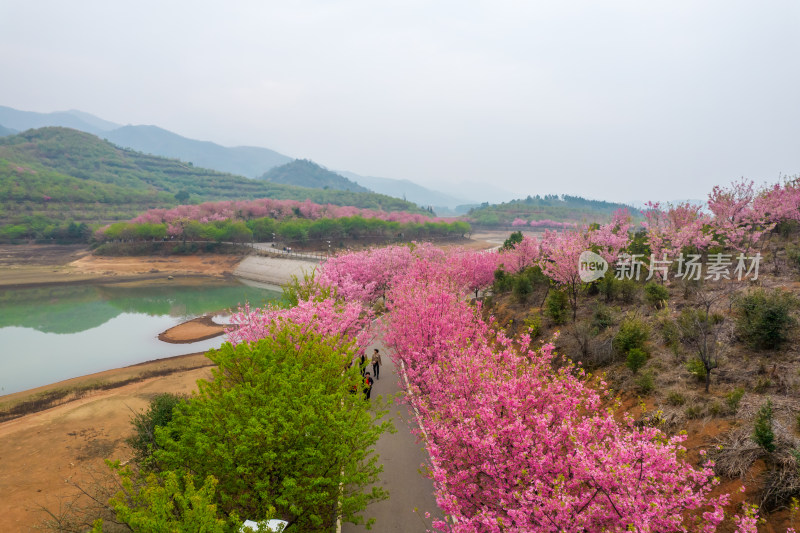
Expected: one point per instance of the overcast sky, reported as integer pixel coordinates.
(620, 100)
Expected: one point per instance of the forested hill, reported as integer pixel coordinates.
(55, 175)
(305, 173)
(563, 208)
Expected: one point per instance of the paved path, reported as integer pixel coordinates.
(402, 457)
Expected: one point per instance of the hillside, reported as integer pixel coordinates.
(305, 173)
(550, 207)
(248, 161)
(6, 131)
(52, 176)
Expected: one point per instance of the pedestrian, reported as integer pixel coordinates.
(376, 363)
(363, 363)
(367, 385)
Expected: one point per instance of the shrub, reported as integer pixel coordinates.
(762, 384)
(645, 383)
(733, 398)
(502, 281)
(676, 398)
(628, 290)
(602, 317)
(693, 411)
(636, 359)
(533, 324)
(633, 333)
(557, 307)
(608, 286)
(762, 428)
(715, 408)
(696, 367)
(158, 414)
(764, 319)
(535, 275)
(793, 256)
(670, 332)
(656, 294)
(522, 288)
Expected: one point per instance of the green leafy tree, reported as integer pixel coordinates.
(557, 306)
(158, 414)
(167, 503)
(279, 427)
(512, 241)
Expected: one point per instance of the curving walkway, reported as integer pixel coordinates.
(402, 457)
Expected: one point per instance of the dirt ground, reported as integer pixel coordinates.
(28, 265)
(41, 454)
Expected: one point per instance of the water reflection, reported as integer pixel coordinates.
(72, 309)
(56, 333)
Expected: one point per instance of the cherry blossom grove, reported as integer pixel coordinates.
(520, 438)
(271, 208)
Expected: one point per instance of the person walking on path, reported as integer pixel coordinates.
(367, 385)
(376, 364)
(362, 363)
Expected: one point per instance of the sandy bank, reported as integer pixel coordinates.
(198, 329)
(42, 451)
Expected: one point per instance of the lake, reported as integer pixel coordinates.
(55, 333)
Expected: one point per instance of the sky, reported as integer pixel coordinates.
(614, 100)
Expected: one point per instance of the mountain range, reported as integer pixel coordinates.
(54, 176)
(248, 161)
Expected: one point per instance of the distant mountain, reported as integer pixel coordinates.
(305, 173)
(242, 160)
(6, 131)
(552, 207)
(406, 189)
(75, 175)
(246, 161)
(477, 193)
(251, 162)
(77, 120)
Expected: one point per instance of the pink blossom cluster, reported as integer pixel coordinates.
(525, 253)
(543, 223)
(368, 275)
(349, 321)
(517, 446)
(547, 223)
(735, 217)
(271, 208)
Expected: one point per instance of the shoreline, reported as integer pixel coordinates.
(36, 266)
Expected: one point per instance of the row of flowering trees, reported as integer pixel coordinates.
(265, 218)
(541, 223)
(520, 438)
(271, 208)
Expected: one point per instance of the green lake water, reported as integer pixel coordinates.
(56, 333)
